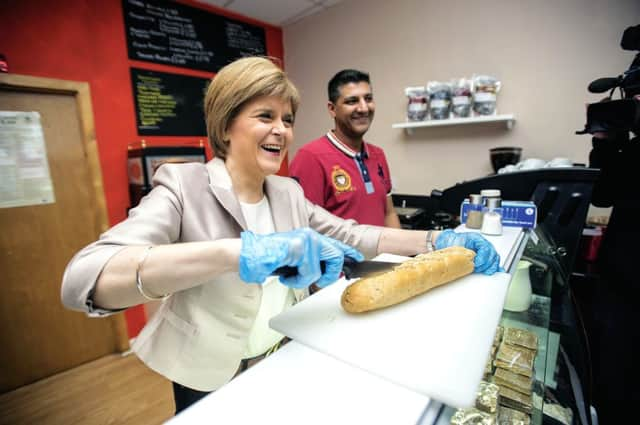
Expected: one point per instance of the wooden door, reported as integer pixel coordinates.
(38, 336)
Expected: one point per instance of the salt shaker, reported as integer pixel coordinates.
(492, 220)
(490, 193)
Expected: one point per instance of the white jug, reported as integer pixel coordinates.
(519, 293)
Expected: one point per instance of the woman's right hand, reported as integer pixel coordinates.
(304, 249)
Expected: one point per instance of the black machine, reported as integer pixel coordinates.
(562, 196)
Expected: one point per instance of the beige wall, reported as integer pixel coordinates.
(544, 51)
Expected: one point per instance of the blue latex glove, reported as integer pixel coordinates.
(487, 260)
(302, 248)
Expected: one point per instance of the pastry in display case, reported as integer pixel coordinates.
(487, 398)
(521, 337)
(520, 383)
(515, 359)
(508, 416)
(506, 397)
(473, 416)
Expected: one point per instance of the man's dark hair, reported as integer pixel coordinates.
(343, 77)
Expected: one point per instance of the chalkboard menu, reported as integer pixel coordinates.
(175, 34)
(168, 104)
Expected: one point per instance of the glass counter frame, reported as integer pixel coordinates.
(544, 273)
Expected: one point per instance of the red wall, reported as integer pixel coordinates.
(84, 40)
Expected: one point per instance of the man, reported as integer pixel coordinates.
(340, 171)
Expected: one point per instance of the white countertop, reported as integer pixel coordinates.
(298, 385)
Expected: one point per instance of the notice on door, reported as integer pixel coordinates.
(168, 104)
(175, 34)
(24, 168)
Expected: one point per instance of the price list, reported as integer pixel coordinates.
(168, 104)
(175, 34)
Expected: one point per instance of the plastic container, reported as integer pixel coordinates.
(590, 243)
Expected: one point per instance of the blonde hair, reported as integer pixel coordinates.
(237, 83)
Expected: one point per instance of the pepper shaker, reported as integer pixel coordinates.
(474, 217)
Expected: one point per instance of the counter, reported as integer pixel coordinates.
(300, 385)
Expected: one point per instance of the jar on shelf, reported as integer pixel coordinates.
(439, 100)
(417, 106)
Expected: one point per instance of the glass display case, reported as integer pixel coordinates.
(557, 393)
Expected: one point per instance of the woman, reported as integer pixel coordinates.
(216, 227)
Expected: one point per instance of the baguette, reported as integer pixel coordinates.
(413, 277)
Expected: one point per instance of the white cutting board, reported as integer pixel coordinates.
(436, 344)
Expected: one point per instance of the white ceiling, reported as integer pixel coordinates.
(276, 12)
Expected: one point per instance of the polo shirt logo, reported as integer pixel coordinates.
(341, 179)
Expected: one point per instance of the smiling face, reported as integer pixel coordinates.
(260, 136)
(353, 110)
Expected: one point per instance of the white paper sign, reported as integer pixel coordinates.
(24, 168)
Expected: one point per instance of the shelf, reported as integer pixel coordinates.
(409, 127)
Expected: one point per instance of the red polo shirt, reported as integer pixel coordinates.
(346, 183)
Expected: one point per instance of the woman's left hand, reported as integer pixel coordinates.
(487, 260)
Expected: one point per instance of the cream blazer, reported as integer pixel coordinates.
(198, 336)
